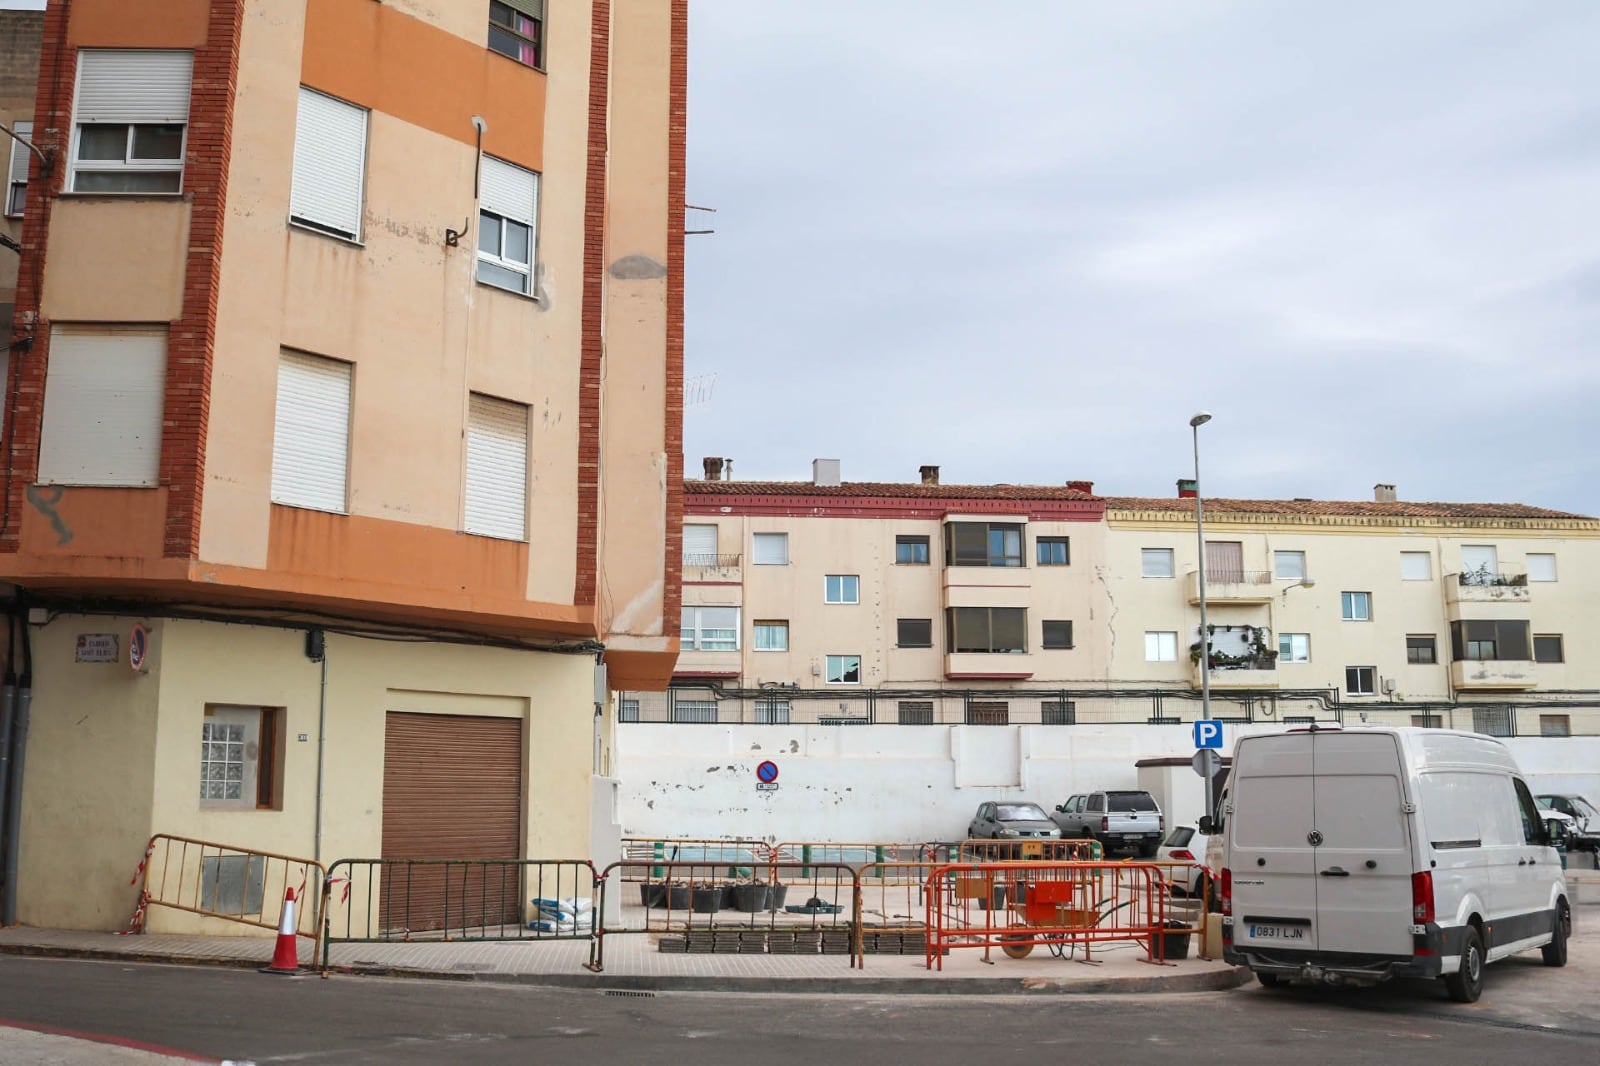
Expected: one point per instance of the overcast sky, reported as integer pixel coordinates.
(1025, 241)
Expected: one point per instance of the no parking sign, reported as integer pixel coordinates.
(767, 776)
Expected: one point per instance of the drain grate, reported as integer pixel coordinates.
(629, 992)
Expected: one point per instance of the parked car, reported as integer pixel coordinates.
(1187, 844)
(1011, 821)
(1584, 832)
(1356, 856)
(1117, 818)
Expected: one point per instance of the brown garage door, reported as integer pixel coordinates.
(452, 789)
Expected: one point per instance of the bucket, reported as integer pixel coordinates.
(1175, 945)
(750, 898)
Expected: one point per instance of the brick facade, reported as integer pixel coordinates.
(592, 345)
(677, 177)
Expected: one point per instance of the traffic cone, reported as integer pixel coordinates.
(286, 955)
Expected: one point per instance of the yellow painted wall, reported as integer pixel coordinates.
(136, 278)
(104, 773)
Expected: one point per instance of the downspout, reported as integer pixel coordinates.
(8, 703)
(322, 742)
(19, 747)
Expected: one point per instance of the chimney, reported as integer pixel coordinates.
(1082, 486)
(930, 474)
(1187, 488)
(713, 467)
(825, 472)
(1382, 493)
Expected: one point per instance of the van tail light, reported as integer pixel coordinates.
(1105, 824)
(1422, 897)
(1183, 855)
(1227, 891)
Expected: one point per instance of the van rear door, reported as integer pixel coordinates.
(1272, 863)
(1363, 856)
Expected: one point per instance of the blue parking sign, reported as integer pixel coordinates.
(1208, 733)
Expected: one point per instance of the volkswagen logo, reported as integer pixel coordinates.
(1314, 838)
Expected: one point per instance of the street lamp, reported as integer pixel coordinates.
(1200, 419)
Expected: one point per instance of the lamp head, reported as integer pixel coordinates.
(1200, 419)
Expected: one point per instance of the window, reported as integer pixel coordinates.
(516, 30)
(1290, 566)
(710, 629)
(842, 588)
(843, 670)
(1155, 562)
(772, 712)
(703, 712)
(988, 712)
(699, 545)
(769, 549)
(996, 630)
(915, 712)
(1057, 635)
(1421, 649)
(17, 185)
(1474, 641)
(1355, 606)
(627, 710)
(1555, 725)
(911, 551)
(1058, 712)
(241, 753)
(1360, 680)
(1427, 721)
(311, 433)
(508, 205)
(1053, 551)
(914, 633)
(1547, 648)
(1416, 566)
(330, 164)
(1160, 647)
(1541, 565)
(982, 544)
(772, 636)
(1293, 647)
(497, 468)
(129, 121)
(103, 398)
(1492, 721)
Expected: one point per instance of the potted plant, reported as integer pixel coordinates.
(750, 897)
(705, 897)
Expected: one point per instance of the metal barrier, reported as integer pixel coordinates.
(735, 852)
(1035, 849)
(779, 908)
(224, 882)
(386, 900)
(857, 854)
(1017, 905)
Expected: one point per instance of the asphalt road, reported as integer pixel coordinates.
(1527, 1013)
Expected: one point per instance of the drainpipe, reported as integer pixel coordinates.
(8, 703)
(316, 648)
(19, 747)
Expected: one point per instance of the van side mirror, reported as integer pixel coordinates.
(1207, 824)
(1555, 831)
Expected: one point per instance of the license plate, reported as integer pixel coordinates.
(1289, 933)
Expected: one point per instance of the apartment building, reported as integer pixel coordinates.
(1402, 611)
(343, 431)
(843, 603)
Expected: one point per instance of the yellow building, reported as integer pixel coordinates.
(345, 401)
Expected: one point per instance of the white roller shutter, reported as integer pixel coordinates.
(534, 9)
(509, 191)
(311, 437)
(17, 176)
(330, 161)
(103, 395)
(132, 85)
(700, 545)
(497, 468)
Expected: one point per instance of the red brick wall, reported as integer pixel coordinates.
(592, 344)
(677, 135)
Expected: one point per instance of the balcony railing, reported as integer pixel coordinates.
(1230, 585)
(1484, 577)
(710, 560)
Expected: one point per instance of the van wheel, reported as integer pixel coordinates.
(1271, 980)
(1555, 952)
(1466, 984)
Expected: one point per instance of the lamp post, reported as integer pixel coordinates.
(1200, 419)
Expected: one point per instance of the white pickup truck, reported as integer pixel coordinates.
(1124, 818)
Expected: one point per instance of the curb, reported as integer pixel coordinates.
(1214, 981)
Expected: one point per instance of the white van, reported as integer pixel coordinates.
(1353, 856)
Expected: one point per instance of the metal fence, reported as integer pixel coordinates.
(232, 884)
(707, 705)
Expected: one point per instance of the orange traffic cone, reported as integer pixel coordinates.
(286, 955)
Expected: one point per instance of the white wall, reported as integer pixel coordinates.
(914, 783)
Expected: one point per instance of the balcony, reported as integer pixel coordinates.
(1232, 586)
(1483, 586)
(1479, 674)
(717, 568)
(1257, 672)
(992, 666)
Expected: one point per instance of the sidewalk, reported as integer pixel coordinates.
(632, 962)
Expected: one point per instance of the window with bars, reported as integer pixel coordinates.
(988, 712)
(627, 710)
(516, 30)
(772, 712)
(915, 712)
(1493, 721)
(701, 711)
(1058, 712)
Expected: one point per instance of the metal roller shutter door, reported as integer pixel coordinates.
(452, 789)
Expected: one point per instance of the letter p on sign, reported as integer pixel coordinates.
(1208, 733)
